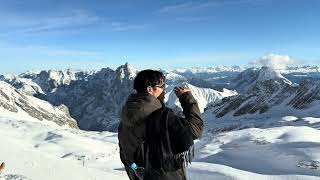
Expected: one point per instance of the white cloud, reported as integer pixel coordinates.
(200, 59)
(46, 23)
(46, 51)
(14, 23)
(192, 19)
(275, 61)
(194, 5)
(119, 26)
(76, 19)
(176, 8)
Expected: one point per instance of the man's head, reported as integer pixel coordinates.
(150, 81)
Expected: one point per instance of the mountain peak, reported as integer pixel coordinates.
(269, 73)
(127, 70)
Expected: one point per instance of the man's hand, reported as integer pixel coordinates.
(180, 90)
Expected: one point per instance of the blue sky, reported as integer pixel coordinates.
(82, 34)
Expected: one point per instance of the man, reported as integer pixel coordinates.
(151, 135)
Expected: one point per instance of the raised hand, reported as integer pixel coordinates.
(180, 90)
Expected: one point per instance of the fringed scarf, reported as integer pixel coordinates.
(169, 142)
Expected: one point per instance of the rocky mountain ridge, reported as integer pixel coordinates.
(95, 98)
(17, 102)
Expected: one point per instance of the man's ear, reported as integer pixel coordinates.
(150, 90)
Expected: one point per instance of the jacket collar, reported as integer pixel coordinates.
(137, 107)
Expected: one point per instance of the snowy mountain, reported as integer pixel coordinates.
(46, 80)
(174, 78)
(266, 93)
(24, 85)
(95, 98)
(268, 73)
(217, 69)
(21, 104)
(212, 77)
(300, 69)
(252, 78)
(204, 96)
(95, 102)
(298, 74)
(222, 76)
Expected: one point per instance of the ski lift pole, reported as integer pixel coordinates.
(83, 160)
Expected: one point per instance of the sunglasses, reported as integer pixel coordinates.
(162, 86)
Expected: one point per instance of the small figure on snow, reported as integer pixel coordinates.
(2, 166)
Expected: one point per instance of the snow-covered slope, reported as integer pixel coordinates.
(284, 152)
(34, 150)
(20, 103)
(44, 81)
(24, 85)
(204, 96)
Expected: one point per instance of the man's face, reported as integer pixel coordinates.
(157, 89)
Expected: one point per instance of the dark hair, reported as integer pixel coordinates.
(147, 78)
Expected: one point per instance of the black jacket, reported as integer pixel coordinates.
(132, 129)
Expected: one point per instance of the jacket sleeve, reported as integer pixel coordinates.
(192, 114)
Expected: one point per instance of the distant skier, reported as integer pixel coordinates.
(155, 144)
(2, 166)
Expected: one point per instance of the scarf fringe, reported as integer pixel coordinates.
(178, 161)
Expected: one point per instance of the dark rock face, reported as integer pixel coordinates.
(307, 93)
(229, 104)
(242, 82)
(97, 100)
(5, 104)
